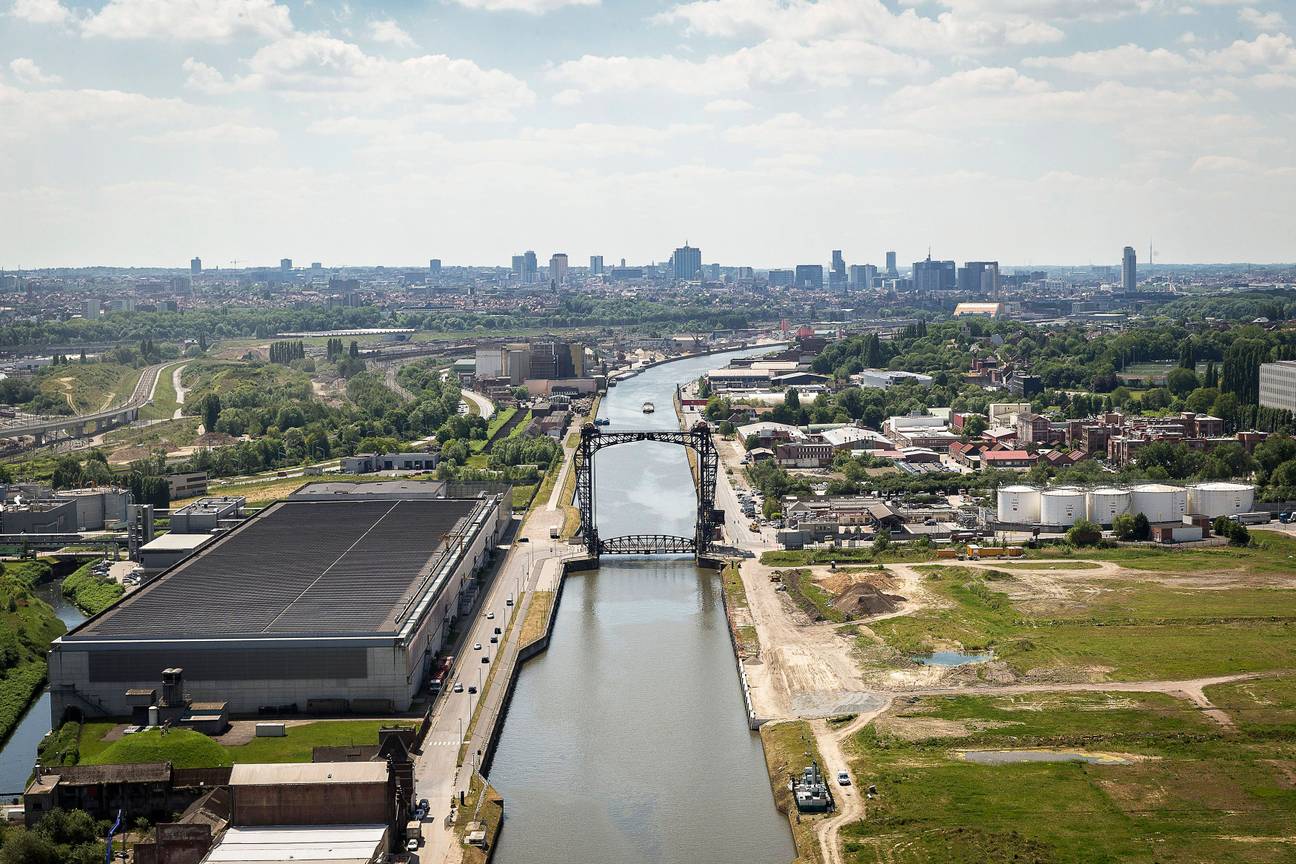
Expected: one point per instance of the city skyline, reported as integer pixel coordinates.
(143, 132)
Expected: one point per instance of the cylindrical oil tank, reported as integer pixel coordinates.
(1019, 505)
(1159, 502)
(1106, 503)
(1063, 506)
(1220, 498)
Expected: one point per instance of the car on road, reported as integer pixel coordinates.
(485, 658)
(412, 845)
(490, 616)
(509, 601)
(472, 688)
(458, 688)
(523, 540)
(476, 646)
(843, 779)
(494, 640)
(498, 631)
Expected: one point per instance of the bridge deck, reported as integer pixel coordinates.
(647, 544)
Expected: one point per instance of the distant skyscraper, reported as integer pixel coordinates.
(781, 278)
(837, 278)
(891, 265)
(195, 266)
(687, 263)
(979, 277)
(932, 275)
(809, 276)
(1129, 271)
(517, 266)
(558, 268)
(596, 265)
(434, 266)
(94, 307)
(862, 276)
(285, 264)
(316, 266)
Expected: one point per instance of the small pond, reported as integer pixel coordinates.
(1012, 757)
(953, 658)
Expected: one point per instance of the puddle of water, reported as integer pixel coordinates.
(953, 658)
(1011, 757)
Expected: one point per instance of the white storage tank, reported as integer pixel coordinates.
(1064, 506)
(1220, 498)
(1106, 503)
(1159, 502)
(1019, 505)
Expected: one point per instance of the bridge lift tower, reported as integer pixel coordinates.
(699, 440)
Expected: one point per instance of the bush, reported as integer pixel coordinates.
(1084, 533)
(1123, 527)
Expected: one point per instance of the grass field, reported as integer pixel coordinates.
(89, 387)
(164, 402)
(493, 426)
(187, 749)
(736, 594)
(1128, 631)
(1192, 793)
(533, 626)
(898, 554)
(1271, 552)
(1264, 706)
(789, 748)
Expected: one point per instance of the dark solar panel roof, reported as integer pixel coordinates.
(299, 567)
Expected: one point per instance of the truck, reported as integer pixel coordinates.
(414, 830)
(553, 532)
(1260, 518)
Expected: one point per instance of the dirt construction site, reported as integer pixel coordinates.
(1112, 656)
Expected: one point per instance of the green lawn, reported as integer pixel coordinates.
(496, 423)
(1198, 794)
(1266, 705)
(1271, 553)
(187, 749)
(1134, 632)
(164, 396)
(899, 554)
(789, 748)
(89, 387)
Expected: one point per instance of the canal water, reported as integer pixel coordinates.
(19, 753)
(626, 741)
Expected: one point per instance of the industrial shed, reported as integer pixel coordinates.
(312, 605)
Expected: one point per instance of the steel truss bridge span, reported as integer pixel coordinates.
(697, 439)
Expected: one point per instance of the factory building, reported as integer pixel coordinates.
(323, 603)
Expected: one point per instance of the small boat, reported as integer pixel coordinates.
(649, 408)
(602, 421)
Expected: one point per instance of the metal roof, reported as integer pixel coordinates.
(308, 773)
(300, 567)
(298, 844)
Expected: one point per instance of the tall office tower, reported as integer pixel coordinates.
(932, 275)
(285, 264)
(891, 265)
(809, 276)
(1129, 271)
(195, 266)
(837, 278)
(687, 263)
(862, 276)
(979, 277)
(558, 269)
(93, 308)
(781, 278)
(518, 264)
(596, 265)
(434, 266)
(530, 268)
(316, 267)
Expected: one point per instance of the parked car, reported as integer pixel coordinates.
(843, 779)
(412, 845)
(485, 658)
(494, 640)
(476, 646)
(490, 616)
(458, 688)
(472, 688)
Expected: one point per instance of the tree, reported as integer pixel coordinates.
(1142, 528)
(67, 472)
(1084, 533)
(792, 399)
(210, 408)
(1123, 526)
(1239, 535)
(1181, 381)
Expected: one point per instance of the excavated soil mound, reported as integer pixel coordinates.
(861, 600)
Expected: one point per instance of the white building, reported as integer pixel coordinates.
(1278, 385)
(884, 378)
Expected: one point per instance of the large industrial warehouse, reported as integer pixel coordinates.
(319, 603)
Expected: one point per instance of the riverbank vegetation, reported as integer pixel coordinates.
(27, 626)
(1168, 783)
(90, 592)
(789, 748)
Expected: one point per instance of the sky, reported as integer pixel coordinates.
(766, 132)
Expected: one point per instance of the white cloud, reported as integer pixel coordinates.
(1262, 21)
(770, 63)
(727, 106)
(220, 133)
(974, 31)
(189, 20)
(390, 32)
(26, 71)
(568, 97)
(533, 7)
(317, 67)
(1125, 61)
(1267, 52)
(41, 11)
